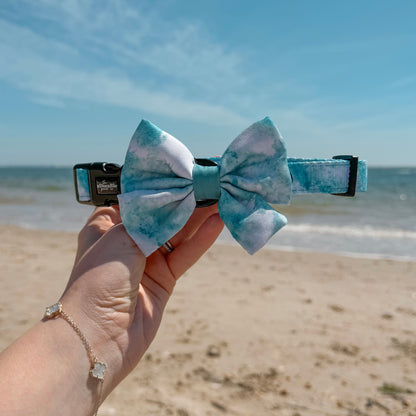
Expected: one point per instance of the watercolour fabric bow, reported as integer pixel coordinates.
(160, 181)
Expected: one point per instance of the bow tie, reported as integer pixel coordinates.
(162, 183)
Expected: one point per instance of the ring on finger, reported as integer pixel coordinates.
(169, 246)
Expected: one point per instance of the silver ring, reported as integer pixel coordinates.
(169, 246)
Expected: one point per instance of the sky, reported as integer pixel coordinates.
(77, 76)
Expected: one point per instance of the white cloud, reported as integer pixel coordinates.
(404, 82)
(54, 82)
(48, 101)
(148, 64)
(136, 38)
(310, 131)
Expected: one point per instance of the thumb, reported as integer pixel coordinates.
(112, 261)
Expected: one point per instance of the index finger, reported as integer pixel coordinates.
(197, 218)
(189, 251)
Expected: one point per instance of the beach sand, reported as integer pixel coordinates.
(278, 333)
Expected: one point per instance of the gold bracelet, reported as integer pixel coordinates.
(97, 368)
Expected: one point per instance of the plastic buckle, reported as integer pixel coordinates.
(103, 181)
(352, 181)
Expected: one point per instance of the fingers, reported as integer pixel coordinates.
(189, 251)
(197, 218)
(103, 218)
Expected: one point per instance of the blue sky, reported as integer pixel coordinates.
(336, 77)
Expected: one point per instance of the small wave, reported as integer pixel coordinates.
(352, 231)
(303, 208)
(51, 188)
(224, 240)
(351, 254)
(406, 171)
(16, 200)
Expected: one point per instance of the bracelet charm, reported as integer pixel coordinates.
(54, 310)
(98, 368)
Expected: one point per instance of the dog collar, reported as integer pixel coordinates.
(98, 183)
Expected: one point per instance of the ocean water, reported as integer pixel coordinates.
(40, 198)
(378, 223)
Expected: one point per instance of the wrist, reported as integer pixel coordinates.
(97, 371)
(70, 363)
(45, 372)
(103, 333)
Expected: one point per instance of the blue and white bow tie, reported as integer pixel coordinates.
(161, 183)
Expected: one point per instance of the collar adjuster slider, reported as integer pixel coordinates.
(352, 180)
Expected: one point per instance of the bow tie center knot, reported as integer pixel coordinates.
(206, 180)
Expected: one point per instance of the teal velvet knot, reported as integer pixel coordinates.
(206, 182)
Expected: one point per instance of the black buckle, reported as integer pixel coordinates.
(352, 181)
(104, 183)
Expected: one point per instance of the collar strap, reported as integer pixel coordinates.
(99, 183)
(342, 175)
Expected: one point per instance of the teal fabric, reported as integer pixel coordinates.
(157, 184)
(206, 182)
(328, 176)
(83, 185)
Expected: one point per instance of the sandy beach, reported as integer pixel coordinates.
(278, 333)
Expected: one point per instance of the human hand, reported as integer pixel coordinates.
(117, 296)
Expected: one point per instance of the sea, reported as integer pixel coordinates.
(380, 223)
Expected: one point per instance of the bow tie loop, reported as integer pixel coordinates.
(206, 182)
